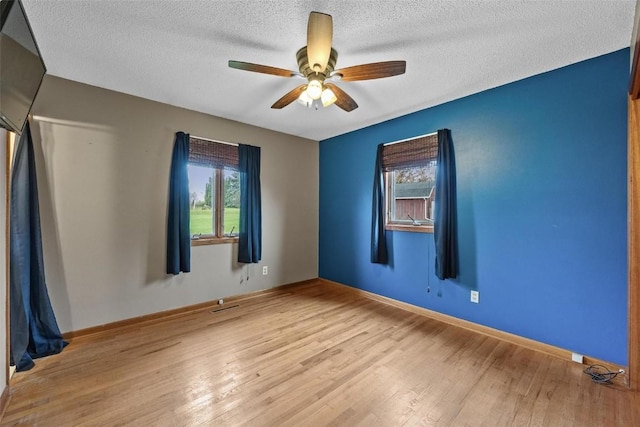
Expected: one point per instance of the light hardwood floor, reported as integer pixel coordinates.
(306, 356)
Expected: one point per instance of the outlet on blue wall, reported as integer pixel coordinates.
(542, 209)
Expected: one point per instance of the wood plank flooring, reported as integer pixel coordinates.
(311, 355)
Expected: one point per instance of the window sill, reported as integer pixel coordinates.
(410, 228)
(213, 241)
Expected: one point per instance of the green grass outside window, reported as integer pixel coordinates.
(201, 220)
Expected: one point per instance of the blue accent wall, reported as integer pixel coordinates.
(542, 209)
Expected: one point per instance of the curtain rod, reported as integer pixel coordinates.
(214, 140)
(409, 139)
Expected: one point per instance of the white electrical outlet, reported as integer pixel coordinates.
(265, 270)
(475, 297)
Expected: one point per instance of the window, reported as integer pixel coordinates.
(410, 175)
(214, 191)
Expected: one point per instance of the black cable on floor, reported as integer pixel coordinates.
(600, 374)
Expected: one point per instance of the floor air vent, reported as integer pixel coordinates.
(224, 308)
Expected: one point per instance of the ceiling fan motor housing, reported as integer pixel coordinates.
(308, 72)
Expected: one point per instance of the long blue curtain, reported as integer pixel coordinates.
(34, 329)
(250, 227)
(378, 234)
(445, 229)
(178, 238)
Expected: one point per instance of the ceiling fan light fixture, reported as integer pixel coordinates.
(319, 40)
(305, 99)
(314, 89)
(328, 97)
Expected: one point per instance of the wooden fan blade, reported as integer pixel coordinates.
(264, 69)
(289, 97)
(319, 39)
(375, 70)
(343, 101)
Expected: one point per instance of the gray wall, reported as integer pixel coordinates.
(103, 161)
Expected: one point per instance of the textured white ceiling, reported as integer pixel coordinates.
(176, 52)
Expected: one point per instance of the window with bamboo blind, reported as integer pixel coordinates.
(214, 191)
(410, 173)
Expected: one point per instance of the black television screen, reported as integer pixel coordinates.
(21, 66)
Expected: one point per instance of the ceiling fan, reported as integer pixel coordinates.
(317, 61)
